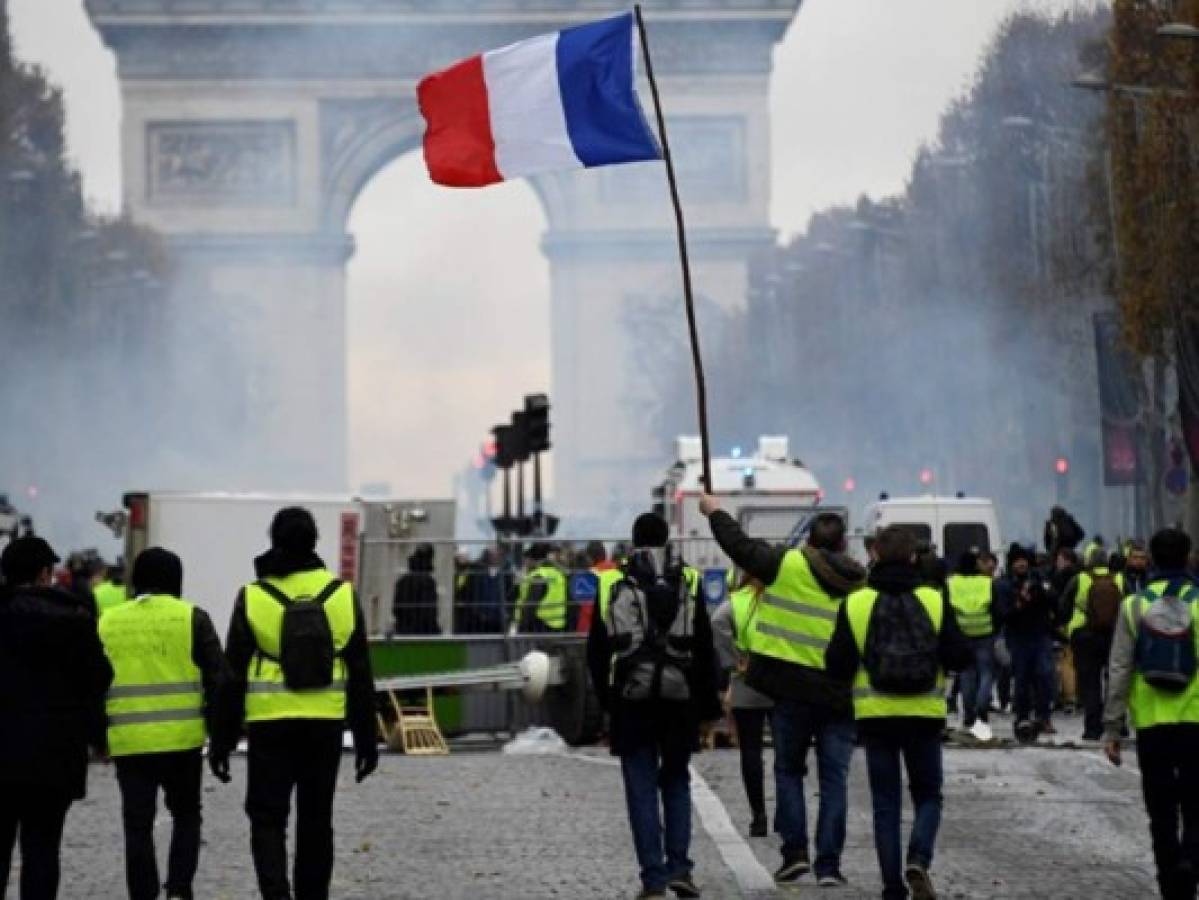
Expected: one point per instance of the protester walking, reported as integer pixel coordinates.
(1027, 616)
(970, 594)
(53, 676)
(1095, 599)
(790, 633)
(895, 640)
(168, 669)
(653, 665)
(299, 672)
(1153, 681)
(750, 709)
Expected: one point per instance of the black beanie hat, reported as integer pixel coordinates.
(157, 571)
(25, 558)
(293, 530)
(650, 530)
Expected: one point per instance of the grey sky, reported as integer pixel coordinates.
(859, 84)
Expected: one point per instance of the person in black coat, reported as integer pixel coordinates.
(414, 604)
(53, 679)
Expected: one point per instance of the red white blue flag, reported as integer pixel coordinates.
(566, 100)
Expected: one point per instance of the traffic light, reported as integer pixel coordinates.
(537, 418)
(520, 437)
(1061, 469)
(503, 446)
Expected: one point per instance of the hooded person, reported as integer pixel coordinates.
(1025, 611)
(653, 664)
(53, 678)
(414, 603)
(300, 673)
(804, 589)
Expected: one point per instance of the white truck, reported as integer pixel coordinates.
(768, 492)
(217, 535)
(953, 525)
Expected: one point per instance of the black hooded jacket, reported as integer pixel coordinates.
(53, 679)
(240, 648)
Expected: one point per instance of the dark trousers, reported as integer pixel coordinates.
(921, 756)
(751, 724)
(1033, 667)
(662, 839)
(37, 818)
(1169, 760)
(301, 755)
(1091, 652)
(140, 777)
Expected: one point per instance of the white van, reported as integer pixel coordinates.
(952, 524)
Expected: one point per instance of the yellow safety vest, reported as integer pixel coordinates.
(970, 597)
(795, 616)
(869, 703)
(552, 608)
(267, 696)
(156, 701)
(744, 605)
(108, 595)
(1078, 618)
(1147, 705)
(608, 578)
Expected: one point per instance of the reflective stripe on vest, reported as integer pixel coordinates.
(156, 701)
(267, 696)
(1147, 705)
(970, 596)
(1078, 619)
(551, 610)
(871, 704)
(795, 616)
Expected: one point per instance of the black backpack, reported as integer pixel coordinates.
(901, 646)
(306, 649)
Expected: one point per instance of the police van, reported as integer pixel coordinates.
(953, 525)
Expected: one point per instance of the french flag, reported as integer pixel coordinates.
(559, 101)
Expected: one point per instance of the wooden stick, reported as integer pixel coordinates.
(701, 397)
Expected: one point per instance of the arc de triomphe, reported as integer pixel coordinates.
(250, 126)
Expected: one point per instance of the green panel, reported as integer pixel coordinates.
(413, 656)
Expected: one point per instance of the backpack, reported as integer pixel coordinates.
(1165, 638)
(306, 649)
(901, 652)
(1104, 600)
(650, 624)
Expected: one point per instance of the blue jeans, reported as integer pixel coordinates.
(794, 724)
(922, 759)
(977, 681)
(1033, 669)
(646, 773)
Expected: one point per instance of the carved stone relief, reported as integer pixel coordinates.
(251, 163)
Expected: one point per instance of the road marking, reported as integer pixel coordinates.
(752, 877)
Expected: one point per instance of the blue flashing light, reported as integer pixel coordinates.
(736, 453)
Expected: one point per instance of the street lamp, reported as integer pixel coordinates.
(1179, 30)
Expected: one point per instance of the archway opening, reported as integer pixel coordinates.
(448, 324)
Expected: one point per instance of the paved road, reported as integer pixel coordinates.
(1019, 823)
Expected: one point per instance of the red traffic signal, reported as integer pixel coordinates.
(850, 485)
(1061, 465)
(926, 476)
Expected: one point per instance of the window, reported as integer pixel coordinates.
(963, 536)
(922, 533)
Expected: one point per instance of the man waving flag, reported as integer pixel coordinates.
(558, 101)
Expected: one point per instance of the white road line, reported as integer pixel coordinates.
(750, 874)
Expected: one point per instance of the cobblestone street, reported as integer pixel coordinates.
(1024, 822)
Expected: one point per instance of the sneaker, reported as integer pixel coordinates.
(793, 869)
(651, 894)
(982, 731)
(684, 886)
(758, 828)
(919, 881)
(832, 879)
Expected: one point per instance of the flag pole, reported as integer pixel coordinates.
(701, 397)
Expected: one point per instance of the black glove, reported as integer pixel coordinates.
(365, 763)
(218, 764)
